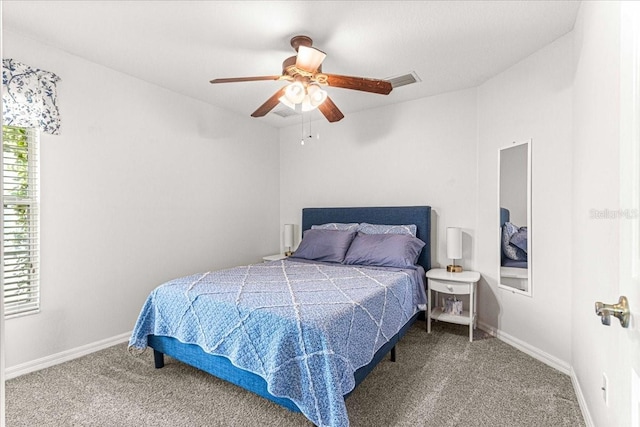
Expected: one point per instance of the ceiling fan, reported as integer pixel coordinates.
(306, 80)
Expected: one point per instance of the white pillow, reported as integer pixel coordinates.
(352, 226)
(387, 229)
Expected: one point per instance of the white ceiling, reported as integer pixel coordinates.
(181, 45)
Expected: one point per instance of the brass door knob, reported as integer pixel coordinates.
(619, 310)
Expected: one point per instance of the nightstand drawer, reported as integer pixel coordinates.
(449, 287)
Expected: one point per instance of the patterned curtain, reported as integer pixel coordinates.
(29, 97)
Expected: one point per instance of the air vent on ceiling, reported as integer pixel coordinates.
(284, 112)
(403, 80)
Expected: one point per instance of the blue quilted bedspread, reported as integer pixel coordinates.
(303, 327)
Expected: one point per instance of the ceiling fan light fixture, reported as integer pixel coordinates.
(309, 58)
(298, 97)
(295, 93)
(283, 99)
(306, 104)
(316, 94)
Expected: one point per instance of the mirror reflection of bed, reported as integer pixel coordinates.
(515, 217)
(514, 259)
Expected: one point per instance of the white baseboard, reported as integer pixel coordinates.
(64, 356)
(527, 348)
(581, 400)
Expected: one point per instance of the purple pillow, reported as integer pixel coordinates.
(519, 238)
(510, 250)
(324, 245)
(384, 250)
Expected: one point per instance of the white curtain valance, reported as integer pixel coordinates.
(29, 97)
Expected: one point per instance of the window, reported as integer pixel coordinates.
(20, 221)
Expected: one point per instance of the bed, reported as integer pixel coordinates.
(300, 332)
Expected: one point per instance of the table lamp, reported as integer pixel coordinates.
(288, 239)
(454, 248)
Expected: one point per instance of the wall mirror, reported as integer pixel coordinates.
(514, 183)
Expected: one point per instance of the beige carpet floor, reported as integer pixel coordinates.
(439, 379)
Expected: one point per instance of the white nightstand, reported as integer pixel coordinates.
(463, 283)
(276, 257)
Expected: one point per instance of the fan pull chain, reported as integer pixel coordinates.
(311, 133)
(302, 133)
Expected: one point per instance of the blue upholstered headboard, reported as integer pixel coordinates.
(504, 216)
(392, 215)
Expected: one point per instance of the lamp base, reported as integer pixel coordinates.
(454, 268)
(288, 253)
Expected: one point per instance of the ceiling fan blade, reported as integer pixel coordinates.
(244, 79)
(269, 104)
(364, 84)
(309, 58)
(330, 110)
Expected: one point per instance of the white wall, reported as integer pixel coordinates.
(421, 152)
(595, 243)
(532, 99)
(141, 186)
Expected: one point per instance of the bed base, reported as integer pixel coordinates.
(221, 367)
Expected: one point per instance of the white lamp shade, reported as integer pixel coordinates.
(306, 104)
(288, 235)
(295, 92)
(309, 58)
(286, 102)
(454, 243)
(316, 95)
